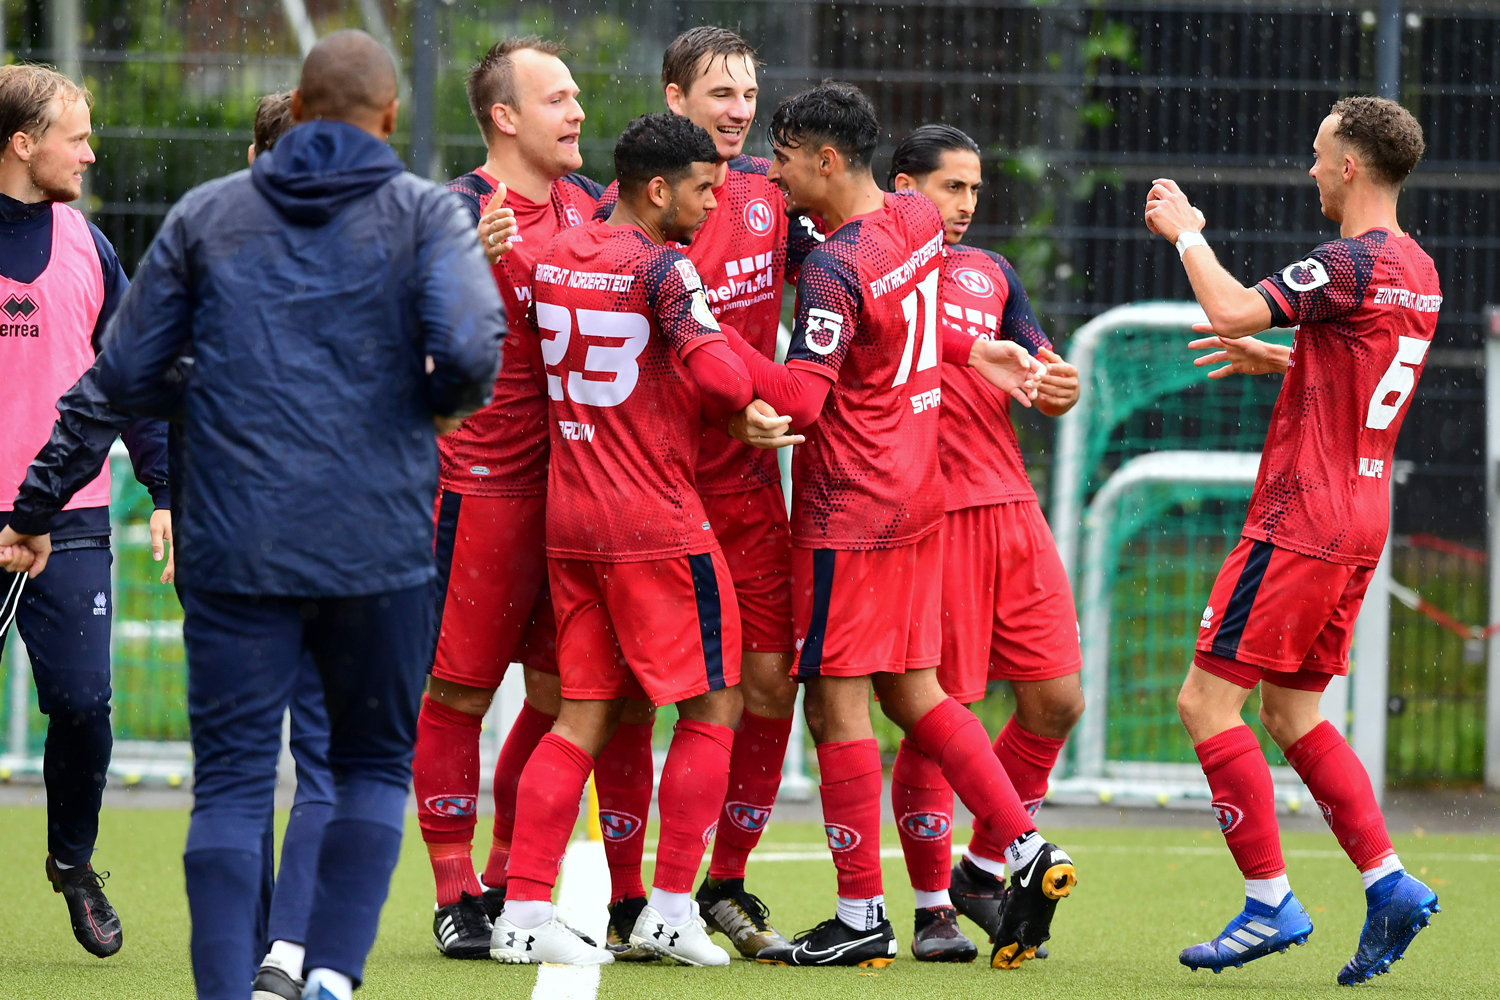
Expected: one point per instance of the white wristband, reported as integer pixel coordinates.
(1189, 239)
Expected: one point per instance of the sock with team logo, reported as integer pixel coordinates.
(923, 803)
(1244, 800)
(850, 791)
(546, 808)
(1338, 781)
(1028, 759)
(754, 779)
(952, 736)
(525, 733)
(693, 781)
(445, 774)
(623, 779)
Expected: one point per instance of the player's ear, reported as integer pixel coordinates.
(675, 99)
(659, 191)
(902, 182)
(828, 157)
(503, 119)
(299, 114)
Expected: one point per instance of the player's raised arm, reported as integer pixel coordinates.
(1233, 310)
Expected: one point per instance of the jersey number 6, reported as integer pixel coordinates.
(1398, 378)
(609, 370)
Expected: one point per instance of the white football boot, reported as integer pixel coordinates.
(553, 942)
(687, 944)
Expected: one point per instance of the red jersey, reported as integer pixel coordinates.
(868, 476)
(1365, 311)
(501, 450)
(617, 313)
(982, 297)
(745, 252)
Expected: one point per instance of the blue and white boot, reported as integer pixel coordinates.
(1399, 907)
(1258, 931)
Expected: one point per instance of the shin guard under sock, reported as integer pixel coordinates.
(1342, 789)
(923, 804)
(525, 733)
(1244, 800)
(623, 778)
(693, 781)
(952, 736)
(754, 779)
(546, 808)
(1029, 760)
(445, 773)
(850, 790)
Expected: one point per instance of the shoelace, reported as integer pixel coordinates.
(808, 934)
(470, 920)
(760, 914)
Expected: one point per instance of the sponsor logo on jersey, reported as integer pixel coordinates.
(821, 321)
(701, 312)
(617, 825)
(708, 835)
(1408, 299)
(1374, 468)
(19, 307)
(841, 837)
(748, 816)
(689, 274)
(745, 276)
(974, 281)
(572, 216)
(929, 400)
(451, 805)
(1229, 816)
(1305, 275)
(1207, 620)
(572, 430)
(758, 217)
(101, 604)
(479, 470)
(926, 825)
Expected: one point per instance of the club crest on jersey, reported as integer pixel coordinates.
(758, 217)
(1305, 275)
(926, 825)
(618, 826)
(821, 321)
(974, 281)
(747, 816)
(840, 837)
(450, 805)
(1229, 816)
(571, 216)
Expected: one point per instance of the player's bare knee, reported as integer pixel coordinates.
(459, 697)
(718, 708)
(638, 713)
(543, 691)
(1053, 712)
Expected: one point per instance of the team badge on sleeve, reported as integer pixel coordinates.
(1305, 275)
(689, 275)
(821, 321)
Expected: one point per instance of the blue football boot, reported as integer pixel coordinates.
(1257, 932)
(1399, 907)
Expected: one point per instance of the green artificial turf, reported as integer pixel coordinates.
(1143, 895)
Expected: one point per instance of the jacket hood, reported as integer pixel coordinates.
(316, 169)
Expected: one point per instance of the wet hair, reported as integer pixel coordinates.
(1386, 136)
(832, 114)
(347, 75)
(492, 80)
(26, 94)
(683, 62)
(660, 145)
(273, 117)
(921, 152)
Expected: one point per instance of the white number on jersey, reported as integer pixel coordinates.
(926, 312)
(616, 360)
(1398, 378)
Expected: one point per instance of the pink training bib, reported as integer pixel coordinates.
(46, 344)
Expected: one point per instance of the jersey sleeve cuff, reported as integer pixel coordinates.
(958, 348)
(799, 364)
(703, 341)
(1282, 313)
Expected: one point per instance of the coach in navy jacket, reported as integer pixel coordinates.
(305, 323)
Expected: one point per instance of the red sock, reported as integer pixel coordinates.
(1244, 800)
(952, 736)
(445, 773)
(1028, 759)
(623, 779)
(923, 804)
(1339, 783)
(546, 808)
(693, 781)
(453, 871)
(754, 779)
(850, 791)
(525, 733)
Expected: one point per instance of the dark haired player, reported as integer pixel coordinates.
(492, 603)
(1007, 608)
(645, 607)
(744, 253)
(861, 383)
(1282, 611)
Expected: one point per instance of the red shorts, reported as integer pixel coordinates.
(752, 530)
(867, 611)
(1281, 616)
(1008, 611)
(492, 603)
(663, 629)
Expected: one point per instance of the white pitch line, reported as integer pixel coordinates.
(818, 852)
(583, 902)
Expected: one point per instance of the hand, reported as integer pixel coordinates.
(1058, 389)
(1008, 366)
(496, 227)
(161, 543)
(758, 426)
(24, 553)
(1245, 355)
(1169, 213)
(447, 425)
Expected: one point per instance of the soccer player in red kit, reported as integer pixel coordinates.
(861, 383)
(1008, 611)
(635, 361)
(744, 253)
(493, 605)
(1282, 611)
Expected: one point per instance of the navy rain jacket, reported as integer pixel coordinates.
(284, 316)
